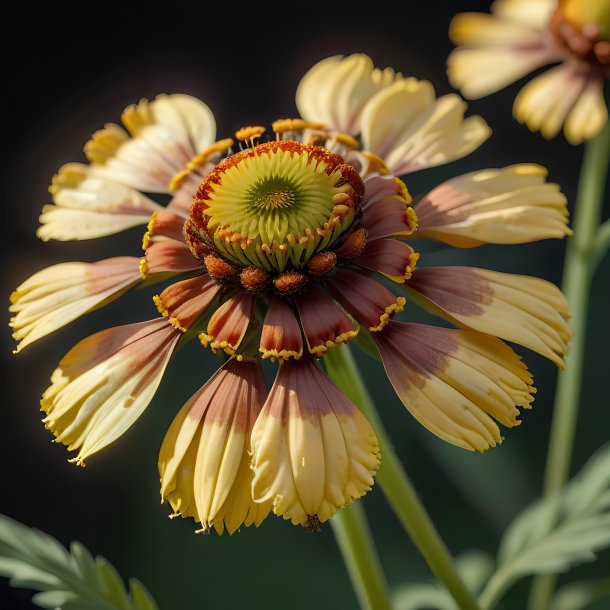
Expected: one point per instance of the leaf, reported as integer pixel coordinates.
(67, 580)
(581, 595)
(474, 567)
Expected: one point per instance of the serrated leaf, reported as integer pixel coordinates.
(71, 580)
(555, 534)
(581, 595)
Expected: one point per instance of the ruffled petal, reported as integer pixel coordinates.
(511, 205)
(104, 383)
(526, 310)
(165, 135)
(325, 326)
(545, 102)
(455, 382)
(390, 257)
(336, 89)
(369, 302)
(313, 450)
(205, 457)
(229, 323)
(59, 294)
(183, 302)
(281, 335)
(86, 206)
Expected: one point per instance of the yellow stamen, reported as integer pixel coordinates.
(389, 310)
(149, 227)
(283, 125)
(377, 163)
(163, 311)
(143, 267)
(319, 350)
(281, 355)
(404, 191)
(209, 341)
(347, 140)
(249, 133)
(199, 161)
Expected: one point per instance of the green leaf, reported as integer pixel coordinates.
(555, 534)
(67, 580)
(581, 595)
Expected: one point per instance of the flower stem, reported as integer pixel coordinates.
(582, 257)
(360, 555)
(397, 487)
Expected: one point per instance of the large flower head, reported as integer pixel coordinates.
(281, 245)
(522, 35)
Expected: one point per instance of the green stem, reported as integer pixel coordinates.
(360, 555)
(582, 256)
(395, 484)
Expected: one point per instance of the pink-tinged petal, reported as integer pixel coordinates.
(337, 88)
(510, 205)
(386, 208)
(59, 294)
(281, 337)
(325, 326)
(455, 382)
(394, 259)
(183, 302)
(369, 302)
(411, 129)
(104, 383)
(182, 197)
(165, 135)
(204, 461)
(545, 102)
(526, 310)
(313, 450)
(165, 224)
(229, 323)
(168, 257)
(86, 206)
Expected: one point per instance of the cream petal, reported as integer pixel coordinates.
(485, 29)
(532, 13)
(413, 130)
(59, 294)
(526, 310)
(104, 383)
(588, 115)
(205, 456)
(502, 206)
(455, 382)
(313, 451)
(336, 89)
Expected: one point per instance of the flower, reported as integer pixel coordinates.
(523, 35)
(281, 249)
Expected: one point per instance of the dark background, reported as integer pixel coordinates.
(63, 76)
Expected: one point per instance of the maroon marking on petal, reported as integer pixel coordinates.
(183, 302)
(166, 223)
(388, 256)
(324, 324)
(364, 298)
(302, 390)
(458, 290)
(386, 218)
(112, 273)
(443, 206)
(230, 321)
(281, 335)
(170, 256)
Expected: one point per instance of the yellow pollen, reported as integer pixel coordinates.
(404, 191)
(283, 125)
(319, 350)
(280, 355)
(389, 310)
(246, 134)
(143, 267)
(163, 311)
(377, 163)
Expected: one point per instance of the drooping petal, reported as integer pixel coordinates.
(59, 294)
(86, 206)
(165, 135)
(337, 88)
(229, 323)
(386, 209)
(204, 461)
(324, 324)
(183, 302)
(281, 335)
(394, 259)
(546, 101)
(526, 310)
(510, 205)
(104, 383)
(411, 129)
(313, 450)
(588, 115)
(455, 382)
(369, 302)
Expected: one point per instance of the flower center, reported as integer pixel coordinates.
(274, 206)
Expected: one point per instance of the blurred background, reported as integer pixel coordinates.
(66, 75)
